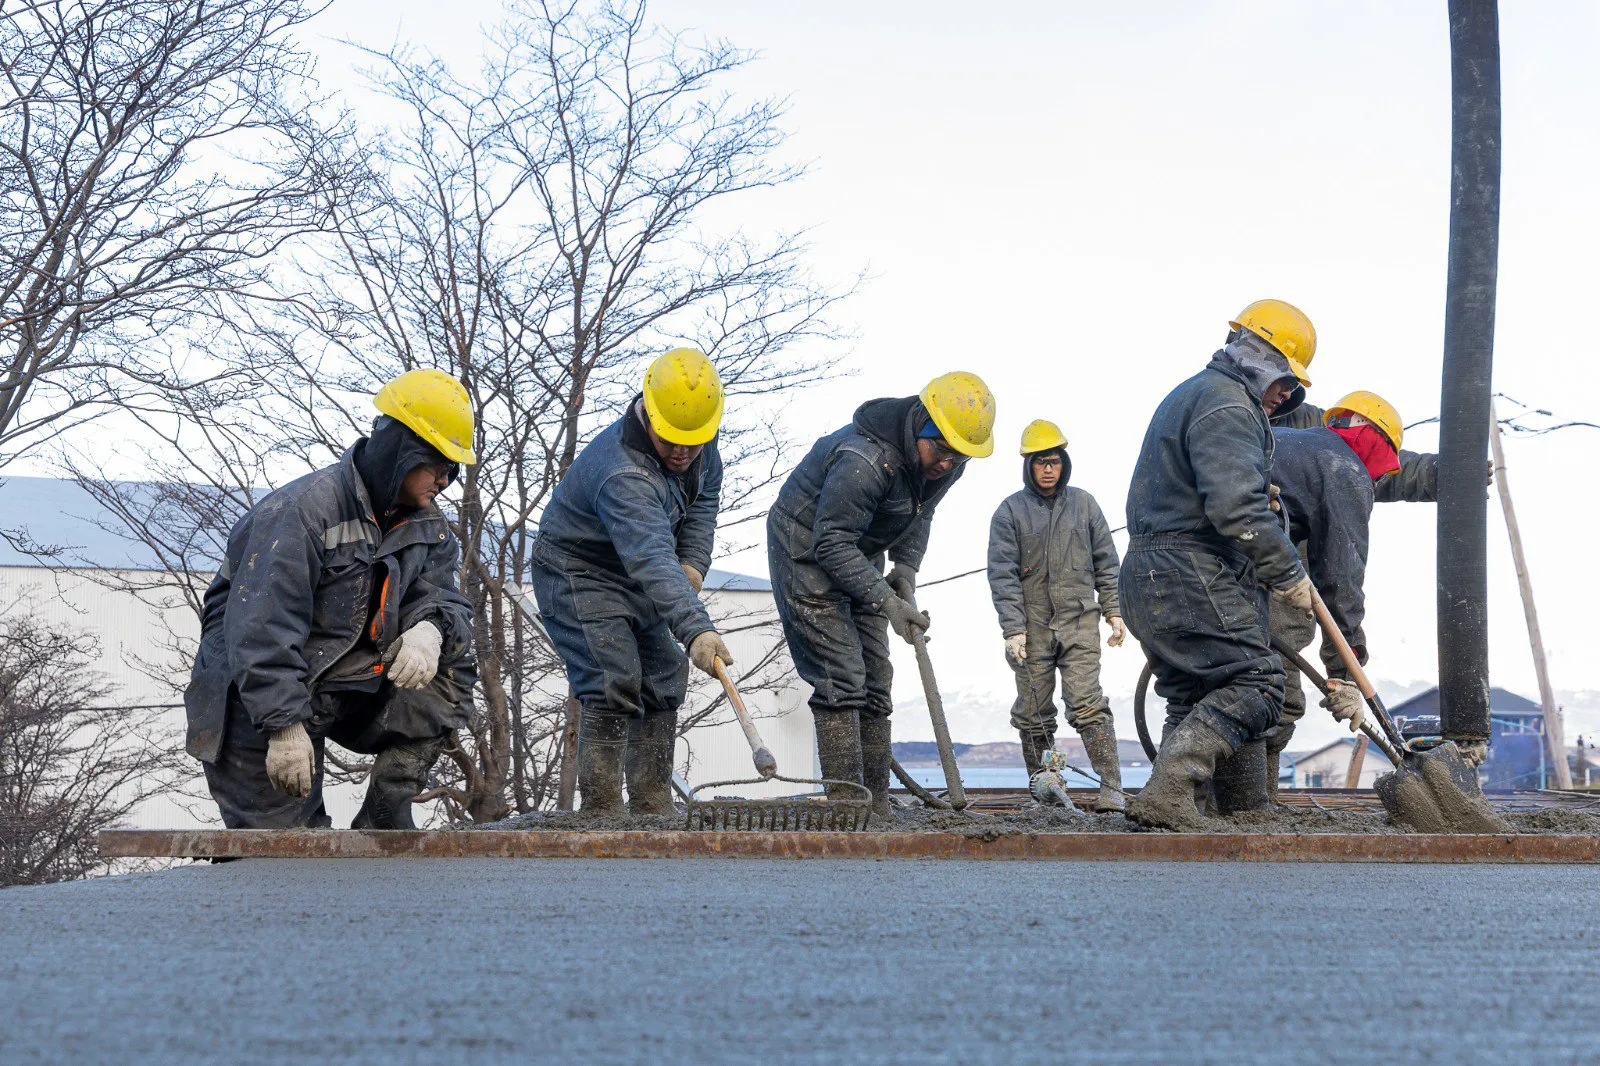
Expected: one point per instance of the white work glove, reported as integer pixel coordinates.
(291, 760)
(1273, 494)
(1346, 704)
(706, 648)
(415, 658)
(903, 579)
(1297, 595)
(904, 617)
(1473, 752)
(1119, 632)
(1017, 647)
(696, 578)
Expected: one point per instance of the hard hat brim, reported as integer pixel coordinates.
(955, 440)
(438, 441)
(672, 434)
(1299, 371)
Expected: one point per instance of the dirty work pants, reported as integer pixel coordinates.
(840, 648)
(1071, 649)
(403, 728)
(1202, 619)
(1295, 629)
(621, 658)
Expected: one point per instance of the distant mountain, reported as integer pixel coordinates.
(926, 753)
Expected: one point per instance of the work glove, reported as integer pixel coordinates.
(1017, 647)
(1297, 595)
(1491, 473)
(1273, 492)
(904, 617)
(1346, 704)
(1473, 752)
(706, 649)
(291, 760)
(903, 579)
(1119, 632)
(415, 657)
(696, 578)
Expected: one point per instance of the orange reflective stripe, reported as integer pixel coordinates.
(383, 603)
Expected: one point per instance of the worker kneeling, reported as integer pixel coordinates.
(1203, 543)
(862, 491)
(336, 615)
(623, 548)
(1050, 556)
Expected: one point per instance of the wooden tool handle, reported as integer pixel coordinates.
(1330, 629)
(941, 728)
(766, 765)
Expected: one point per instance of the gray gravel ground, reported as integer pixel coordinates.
(743, 961)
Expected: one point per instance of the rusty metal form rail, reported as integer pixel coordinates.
(1083, 847)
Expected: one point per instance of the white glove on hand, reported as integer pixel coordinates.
(291, 760)
(904, 618)
(903, 579)
(706, 648)
(1297, 595)
(696, 578)
(415, 657)
(1119, 632)
(1017, 647)
(1473, 752)
(1346, 704)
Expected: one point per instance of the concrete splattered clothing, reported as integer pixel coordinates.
(1052, 575)
(312, 594)
(1203, 542)
(1417, 480)
(608, 569)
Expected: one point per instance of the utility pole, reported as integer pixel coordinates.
(1554, 736)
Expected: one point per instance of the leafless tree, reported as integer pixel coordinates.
(154, 154)
(72, 762)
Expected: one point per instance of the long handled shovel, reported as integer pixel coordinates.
(941, 729)
(847, 805)
(1432, 791)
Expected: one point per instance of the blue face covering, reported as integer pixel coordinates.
(930, 431)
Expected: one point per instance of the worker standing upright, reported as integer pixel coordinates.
(1053, 576)
(336, 614)
(622, 551)
(1203, 543)
(863, 491)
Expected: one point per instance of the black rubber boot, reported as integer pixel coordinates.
(839, 745)
(1276, 745)
(1032, 745)
(651, 742)
(876, 751)
(1100, 741)
(1187, 760)
(1240, 783)
(398, 775)
(602, 740)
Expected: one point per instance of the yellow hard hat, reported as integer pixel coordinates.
(435, 407)
(683, 397)
(962, 406)
(1286, 328)
(1041, 436)
(1374, 409)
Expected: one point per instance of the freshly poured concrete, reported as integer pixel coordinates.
(711, 961)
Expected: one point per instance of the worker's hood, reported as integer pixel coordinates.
(1066, 471)
(1257, 364)
(384, 459)
(896, 421)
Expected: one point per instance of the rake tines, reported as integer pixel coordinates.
(784, 814)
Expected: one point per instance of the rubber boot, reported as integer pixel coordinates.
(1240, 783)
(602, 741)
(1276, 744)
(1187, 760)
(838, 745)
(876, 751)
(651, 740)
(1100, 741)
(1032, 745)
(398, 775)
(1176, 714)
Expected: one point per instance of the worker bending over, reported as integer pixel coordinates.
(1203, 544)
(1050, 557)
(623, 548)
(336, 615)
(867, 489)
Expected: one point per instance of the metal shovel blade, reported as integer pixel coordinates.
(1435, 791)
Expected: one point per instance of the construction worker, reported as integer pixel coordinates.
(1415, 480)
(1050, 557)
(1205, 545)
(336, 614)
(863, 491)
(622, 552)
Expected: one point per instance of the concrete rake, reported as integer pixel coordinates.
(845, 806)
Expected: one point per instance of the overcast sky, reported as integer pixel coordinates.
(1072, 199)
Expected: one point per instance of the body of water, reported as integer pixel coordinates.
(932, 777)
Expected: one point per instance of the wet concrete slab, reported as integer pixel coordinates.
(899, 961)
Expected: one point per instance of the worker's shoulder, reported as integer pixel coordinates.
(1080, 498)
(318, 498)
(853, 441)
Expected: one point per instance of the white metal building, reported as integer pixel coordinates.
(83, 585)
(1329, 766)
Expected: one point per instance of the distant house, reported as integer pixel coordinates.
(1329, 766)
(1517, 750)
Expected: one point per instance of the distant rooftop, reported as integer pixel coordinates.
(63, 526)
